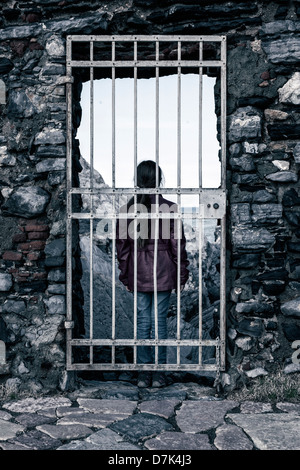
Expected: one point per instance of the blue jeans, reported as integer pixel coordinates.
(146, 324)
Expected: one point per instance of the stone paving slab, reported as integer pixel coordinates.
(8, 430)
(179, 441)
(141, 426)
(276, 431)
(197, 416)
(163, 408)
(125, 407)
(230, 437)
(65, 432)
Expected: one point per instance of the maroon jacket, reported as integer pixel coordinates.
(166, 254)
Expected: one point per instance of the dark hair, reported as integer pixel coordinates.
(146, 178)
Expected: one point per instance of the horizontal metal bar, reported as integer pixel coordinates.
(146, 38)
(131, 191)
(143, 342)
(145, 63)
(154, 367)
(184, 215)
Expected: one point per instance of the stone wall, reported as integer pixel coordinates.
(263, 158)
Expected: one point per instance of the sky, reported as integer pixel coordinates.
(146, 141)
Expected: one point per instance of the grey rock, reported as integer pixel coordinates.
(296, 153)
(290, 92)
(94, 405)
(14, 306)
(66, 431)
(244, 124)
(254, 306)
(56, 304)
(289, 407)
(245, 343)
(250, 326)
(105, 439)
(30, 420)
(179, 441)
(255, 407)
(291, 308)
(51, 164)
(285, 50)
(283, 177)
(279, 26)
(230, 437)
(27, 202)
(94, 420)
(141, 426)
(56, 247)
(252, 240)
(50, 136)
(257, 372)
(34, 440)
(197, 416)
(19, 32)
(164, 408)
(55, 46)
(33, 405)
(270, 431)
(25, 103)
(266, 213)
(57, 275)
(8, 430)
(263, 196)
(240, 213)
(45, 333)
(5, 282)
(243, 163)
(78, 24)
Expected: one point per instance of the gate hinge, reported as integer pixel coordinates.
(69, 324)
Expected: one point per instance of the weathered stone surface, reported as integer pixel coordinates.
(8, 430)
(244, 124)
(30, 420)
(179, 441)
(296, 153)
(50, 136)
(285, 50)
(65, 432)
(56, 304)
(94, 420)
(5, 282)
(28, 202)
(105, 439)
(290, 92)
(141, 426)
(255, 407)
(252, 240)
(283, 177)
(32, 405)
(194, 417)
(266, 213)
(271, 431)
(250, 326)
(51, 164)
(94, 405)
(45, 333)
(25, 103)
(291, 308)
(163, 408)
(33, 440)
(14, 306)
(229, 437)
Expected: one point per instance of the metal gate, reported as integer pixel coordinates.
(210, 56)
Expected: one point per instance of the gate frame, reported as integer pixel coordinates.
(212, 201)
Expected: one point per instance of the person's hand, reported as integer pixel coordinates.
(127, 288)
(181, 288)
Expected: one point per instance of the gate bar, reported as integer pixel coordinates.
(200, 221)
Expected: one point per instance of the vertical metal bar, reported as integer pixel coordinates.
(179, 221)
(156, 198)
(113, 124)
(69, 206)
(223, 221)
(91, 195)
(135, 207)
(200, 219)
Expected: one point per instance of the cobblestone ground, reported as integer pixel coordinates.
(120, 416)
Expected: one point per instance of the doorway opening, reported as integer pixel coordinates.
(148, 98)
